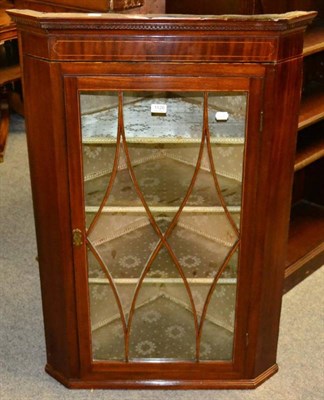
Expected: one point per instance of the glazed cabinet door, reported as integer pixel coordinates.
(158, 171)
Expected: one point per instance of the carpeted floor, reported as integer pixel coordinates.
(22, 349)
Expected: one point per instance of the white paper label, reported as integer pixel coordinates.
(159, 109)
(221, 116)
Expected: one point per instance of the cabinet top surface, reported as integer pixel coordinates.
(275, 22)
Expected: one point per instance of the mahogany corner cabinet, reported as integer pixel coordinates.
(161, 154)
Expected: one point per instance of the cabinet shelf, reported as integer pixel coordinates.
(312, 109)
(314, 41)
(310, 148)
(167, 140)
(200, 253)
(181, 122)
(163, 209)
(169, 184)
(134, 281)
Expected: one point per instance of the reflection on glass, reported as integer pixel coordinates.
(154, 171)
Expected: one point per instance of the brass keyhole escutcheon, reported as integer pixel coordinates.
(77, 237)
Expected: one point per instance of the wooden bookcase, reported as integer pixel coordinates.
(306, 237)
(183, 127)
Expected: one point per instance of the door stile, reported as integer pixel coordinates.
(246, 310)
(75, 166)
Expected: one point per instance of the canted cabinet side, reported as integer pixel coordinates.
(237, 80)
(274, 194)
(50, 190)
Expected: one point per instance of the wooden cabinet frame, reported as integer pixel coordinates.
(65, 55)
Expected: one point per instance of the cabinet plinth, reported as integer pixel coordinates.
(161, 153)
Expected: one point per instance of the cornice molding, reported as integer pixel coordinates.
(118, 22)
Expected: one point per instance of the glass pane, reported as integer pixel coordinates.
(152, 168)
(218, 328)
(226, 117)
(226, 123)
(201, 242)
(163, 132)
(124, 241)
(159, 117)
(228, 164)
(99, 116)
(106, 326)
(163, 322)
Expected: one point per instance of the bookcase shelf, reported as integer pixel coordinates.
(312, 109)
(305, 246)
(310, 147)
(314, 40)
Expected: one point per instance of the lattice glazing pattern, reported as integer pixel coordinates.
(162, 183)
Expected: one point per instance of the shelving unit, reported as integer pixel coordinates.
(306, 237)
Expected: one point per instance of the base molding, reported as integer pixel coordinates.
(162, 384)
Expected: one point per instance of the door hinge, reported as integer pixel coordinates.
(77, 237)
(261, 121)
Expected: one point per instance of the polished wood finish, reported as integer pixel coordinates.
(63, 55)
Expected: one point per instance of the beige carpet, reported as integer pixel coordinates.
(22, 352)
